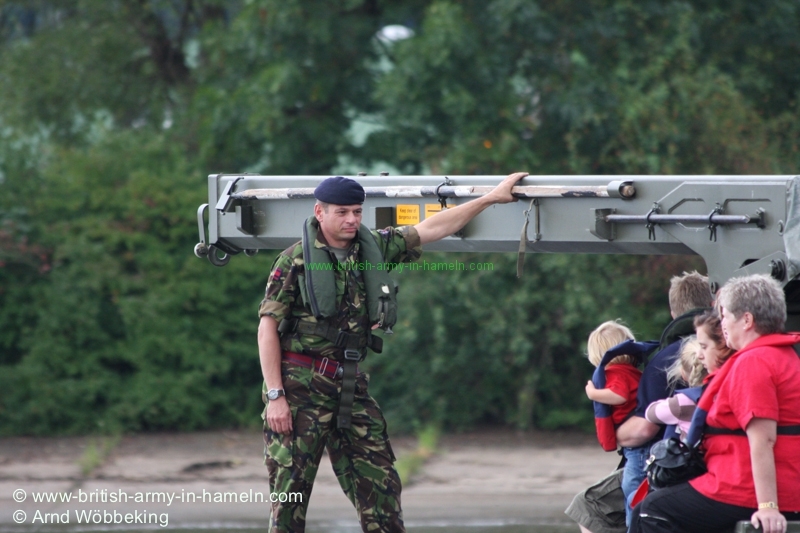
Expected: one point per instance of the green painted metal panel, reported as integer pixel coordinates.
(738, 224)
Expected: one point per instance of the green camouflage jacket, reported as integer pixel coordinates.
(283, 300)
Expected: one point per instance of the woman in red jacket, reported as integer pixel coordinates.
(752, 430)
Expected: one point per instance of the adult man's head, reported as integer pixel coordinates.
(338, 209)
(687, 292)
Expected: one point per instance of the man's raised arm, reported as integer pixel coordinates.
(451, 220)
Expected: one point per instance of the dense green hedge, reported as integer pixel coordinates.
(118, 325)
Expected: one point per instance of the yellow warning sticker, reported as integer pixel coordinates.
(432, 209)
(407, 215)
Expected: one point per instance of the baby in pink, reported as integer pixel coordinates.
(678, 409)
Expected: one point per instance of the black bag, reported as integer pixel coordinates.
(672, 462)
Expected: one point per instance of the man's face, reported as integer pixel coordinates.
(339, 223)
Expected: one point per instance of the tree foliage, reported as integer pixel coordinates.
(482, 346)
(113, 111)
(122, 328)
(595, 87)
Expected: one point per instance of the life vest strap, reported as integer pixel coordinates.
(341, 339)
(782, 430)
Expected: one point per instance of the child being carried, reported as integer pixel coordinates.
(622, 374)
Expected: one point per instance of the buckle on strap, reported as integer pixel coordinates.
(323, 365)
(352, 355)
(349, 341)
(341, 339)
(334, 371)
(287, 325)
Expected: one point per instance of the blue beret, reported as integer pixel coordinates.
(340, 191)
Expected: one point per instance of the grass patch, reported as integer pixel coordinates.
(409, 464)
(96, 453)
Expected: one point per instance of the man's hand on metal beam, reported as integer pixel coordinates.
(451, 220)
(502, 193)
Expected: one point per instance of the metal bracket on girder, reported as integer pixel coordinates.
(225, 203)
(209, 251)
(605, 219)
(602, 228)
(712, 226)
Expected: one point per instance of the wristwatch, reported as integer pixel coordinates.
(274, 394)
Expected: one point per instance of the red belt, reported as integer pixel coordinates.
(324, 366)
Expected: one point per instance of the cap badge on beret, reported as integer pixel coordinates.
(340, 191)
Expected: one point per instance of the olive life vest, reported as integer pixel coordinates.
(318, 283)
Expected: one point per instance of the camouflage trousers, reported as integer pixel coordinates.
(361, 456)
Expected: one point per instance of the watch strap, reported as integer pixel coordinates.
(274, 394)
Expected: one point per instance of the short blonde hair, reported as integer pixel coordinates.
(606, 336)
(689, 291)
(687, 364)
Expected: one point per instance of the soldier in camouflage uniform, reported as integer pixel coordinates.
(307, 355)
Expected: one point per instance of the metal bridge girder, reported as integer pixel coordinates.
(737, 224)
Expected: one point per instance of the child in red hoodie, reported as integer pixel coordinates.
(622, 375)
(621, 385)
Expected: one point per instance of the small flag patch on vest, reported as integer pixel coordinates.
(277, 275)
